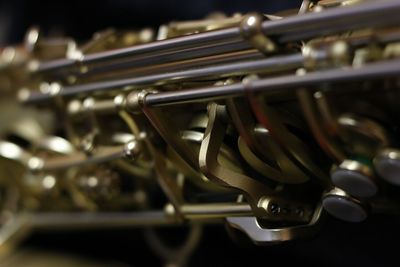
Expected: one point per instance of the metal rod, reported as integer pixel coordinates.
(371, 71)
(70, 220)
(215, 210)
(123, 70)
(332, 21)
(194, 95)
(273, 63)
(163, 57)
(172, 44)
(81, 220)
(296, 28)
(100, 155)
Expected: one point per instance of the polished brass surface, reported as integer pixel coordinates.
(263, 122)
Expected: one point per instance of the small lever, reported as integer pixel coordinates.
(260, 235)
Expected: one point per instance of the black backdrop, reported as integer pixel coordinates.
(81, 18)
(373, 243)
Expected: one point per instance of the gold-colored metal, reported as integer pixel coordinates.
(291, 144)
(250, 28)
(262, 236)
(256, 138)
(260, 197)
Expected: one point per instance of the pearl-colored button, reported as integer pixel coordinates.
(355, 178)
(342, 206)
(387, 165)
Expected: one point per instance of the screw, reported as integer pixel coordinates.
(132, 149)
(274, 208)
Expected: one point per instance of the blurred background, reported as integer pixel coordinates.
(80, 19)
(372, 243)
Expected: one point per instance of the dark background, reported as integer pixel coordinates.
(372, 243)
(80, 19)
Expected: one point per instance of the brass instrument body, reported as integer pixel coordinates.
(252, 120)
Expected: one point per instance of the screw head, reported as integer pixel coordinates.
(132, 149)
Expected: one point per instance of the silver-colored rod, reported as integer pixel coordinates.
(335, 20)
(215, 210)
(369, 72)
(70, 220)
(172, 44)
(296, 28)
(128, 67)
(199, 52)
(163, 57)
(272, 63)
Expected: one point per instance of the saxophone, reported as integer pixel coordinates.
(266, 123)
